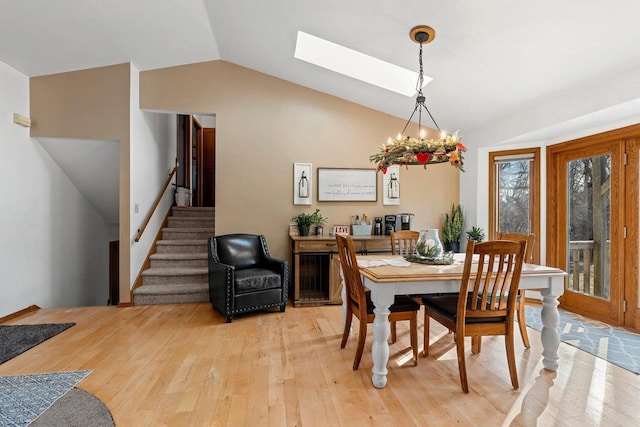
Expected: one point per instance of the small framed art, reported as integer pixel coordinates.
(391, 186)
(302, 183)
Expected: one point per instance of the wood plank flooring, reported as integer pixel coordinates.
(181, 365)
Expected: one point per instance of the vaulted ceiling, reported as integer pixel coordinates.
(489, 57)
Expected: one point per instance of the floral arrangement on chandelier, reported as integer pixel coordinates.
(412, 151)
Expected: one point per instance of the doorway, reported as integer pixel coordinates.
(592, 224)
(196, 147)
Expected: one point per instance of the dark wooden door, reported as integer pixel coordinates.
(114, 273)
(208, 180)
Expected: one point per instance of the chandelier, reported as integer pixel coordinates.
(407, 150)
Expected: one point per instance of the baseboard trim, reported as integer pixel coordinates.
(19, 313)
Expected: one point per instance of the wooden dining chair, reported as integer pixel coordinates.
(359, 303)
(520, 301)
(486, 302)
(403, 242)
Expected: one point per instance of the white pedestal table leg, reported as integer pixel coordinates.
(382, 299)
(550, 335)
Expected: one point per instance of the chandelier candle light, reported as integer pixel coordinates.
(406, 150)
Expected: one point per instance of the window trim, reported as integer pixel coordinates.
(533, 154)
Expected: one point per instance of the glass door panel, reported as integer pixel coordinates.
(588, 239)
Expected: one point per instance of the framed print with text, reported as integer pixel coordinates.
(347, 185)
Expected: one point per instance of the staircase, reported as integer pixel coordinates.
(178, 270)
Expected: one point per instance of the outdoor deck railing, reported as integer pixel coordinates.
(588, 268)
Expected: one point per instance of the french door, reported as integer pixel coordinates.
(592, 224)
(632, 278)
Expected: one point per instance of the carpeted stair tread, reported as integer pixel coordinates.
(192, 212)
(178, 256)
(161, 271)
(188, 233)
(183, 288)
(182, 242)
(188, 230)
(191, 222)
(182, 246)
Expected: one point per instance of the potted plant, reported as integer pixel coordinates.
(304, 221)
(318, 220)
(476, 234)
(452, 229)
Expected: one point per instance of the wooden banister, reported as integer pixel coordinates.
(155, 204)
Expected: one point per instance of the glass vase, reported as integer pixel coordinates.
(429, 245)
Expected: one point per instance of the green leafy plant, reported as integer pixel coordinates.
(453, 225)
(476, 233)
(306, 220)
(317, 218)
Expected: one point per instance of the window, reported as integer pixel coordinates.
(514, 193)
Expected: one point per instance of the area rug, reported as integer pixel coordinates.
(615, 345)
(16, 339)
(76, 408)
(24, 397)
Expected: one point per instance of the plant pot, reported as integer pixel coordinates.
(452, 246)
(303, 229)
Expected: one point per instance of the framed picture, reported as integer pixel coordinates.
(302, 183)
(391, 186)
(347, 185)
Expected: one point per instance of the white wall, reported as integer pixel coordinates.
(153, 154)
(574, 113)
(53, 244)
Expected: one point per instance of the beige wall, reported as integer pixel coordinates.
(89, 104)
(264, 125)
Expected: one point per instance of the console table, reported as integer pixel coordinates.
(316, 268)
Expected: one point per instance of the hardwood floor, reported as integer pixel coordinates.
(181, 365)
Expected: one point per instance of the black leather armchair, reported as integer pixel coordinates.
(243, 277)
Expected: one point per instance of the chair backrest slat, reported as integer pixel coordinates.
(403, 242)
(495, 280)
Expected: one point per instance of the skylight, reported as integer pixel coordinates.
(357, 65)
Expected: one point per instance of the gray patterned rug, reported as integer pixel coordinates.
(24, 397)
(615, 345)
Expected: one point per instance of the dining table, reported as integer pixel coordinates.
(389, 275)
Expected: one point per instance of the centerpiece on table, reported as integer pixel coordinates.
(429, 249)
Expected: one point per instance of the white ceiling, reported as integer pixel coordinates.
(490, 58)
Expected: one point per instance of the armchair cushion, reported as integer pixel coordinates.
(255, 279)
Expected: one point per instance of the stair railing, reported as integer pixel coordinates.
(155, 204)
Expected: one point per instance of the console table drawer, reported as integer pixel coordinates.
(378, 245)
(323, 246)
